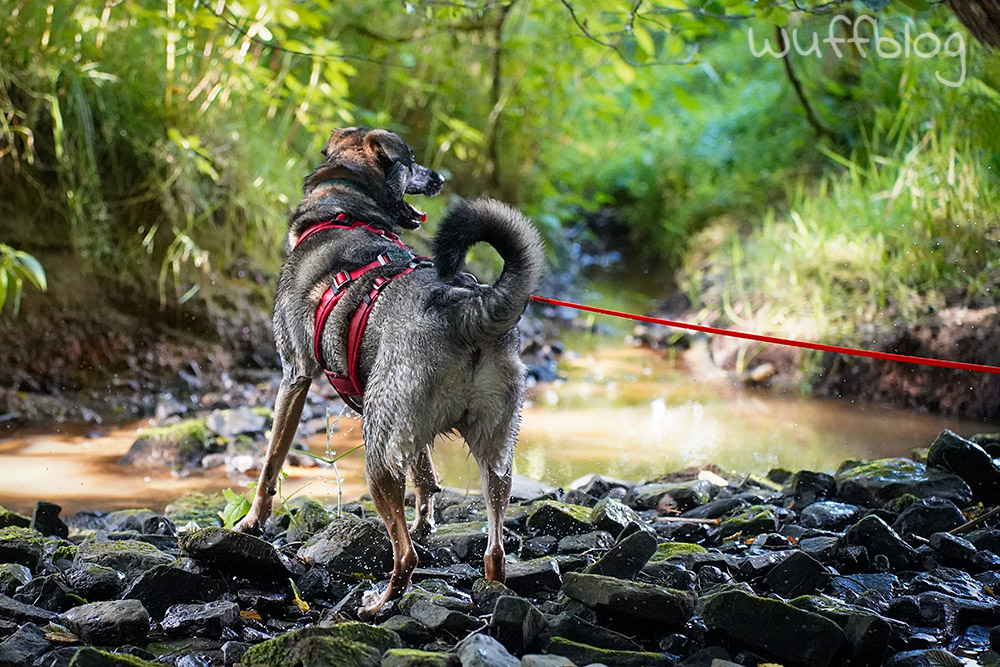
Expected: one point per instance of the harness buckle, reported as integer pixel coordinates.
(341, 279)
(341, 217)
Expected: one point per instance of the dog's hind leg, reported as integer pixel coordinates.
(388, 487)
(287, 411)
(425, 484)
(496, 488)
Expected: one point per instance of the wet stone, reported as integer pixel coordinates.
(481, 650)
(410, 630)
(576, 544)
(440, 619)
(716, 509)
(879, 539)
(485, 593)
(231, 423)
(234, 553)
(764, 624)
(674, 496)
(572, 626)
(531, 576)
(536, 547)
(21, 545)
(969, 461)
(822, 548)
(19, 612)
(952, 550)
(638, 602)
(108, 623)
(310, 518)
(540, 660)
(516, 623)
(232, 651)
(10, 518)
(925, 658)
(927, 516)
(24, 646)
(405, 657)
(807, 487)
(754, 520)
(884, 480)
(559, 520)
(130, 557)
(627, 558)
(349, 545)
(829, 515)
(613, 516)
(45, 519)
(92, 657)
(584, 654)
(165, 585)
(798, 574)
(12, 577)
(49, 592)
(202, 620)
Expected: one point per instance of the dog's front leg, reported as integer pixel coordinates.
(388, 488)
(287, 411)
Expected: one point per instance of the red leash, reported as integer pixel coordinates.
(888, 356)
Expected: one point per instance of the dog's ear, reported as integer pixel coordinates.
(389, 148)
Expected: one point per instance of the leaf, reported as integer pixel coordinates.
(685, 99)
(876, 5)
(237, 507)
(297, 597)
(919, 5)
(3, 288)
(778, 16)
(645, 41)
(32, 269)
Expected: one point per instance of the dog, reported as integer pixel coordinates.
(439, 352)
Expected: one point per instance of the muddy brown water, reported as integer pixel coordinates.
(623, 411)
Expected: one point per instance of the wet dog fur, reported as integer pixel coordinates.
(440, 352)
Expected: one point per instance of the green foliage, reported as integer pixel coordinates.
(237, 506)
(16, 267)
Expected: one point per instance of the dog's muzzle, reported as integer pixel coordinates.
(424, 181)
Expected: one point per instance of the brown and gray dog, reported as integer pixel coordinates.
(439, 353)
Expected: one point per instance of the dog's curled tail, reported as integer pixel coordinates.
(496, 309)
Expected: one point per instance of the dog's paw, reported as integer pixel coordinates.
(371, 603)
(420, 530)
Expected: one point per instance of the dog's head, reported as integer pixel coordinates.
(380, 164)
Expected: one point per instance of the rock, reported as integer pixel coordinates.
(868, 636)
(202, 620)
(468, 540)
(536, 547)
(559, 520)
(626, 559)
(884, 480)
(613, 516)
(45, 519)
(92, 657)
(711, 656)
(486, 592)
(166, 585)
(928, 515)
(677, 496)
(50, 592)
(23, 647)
(798, 574)
(754, 520)
(668, 551)
(408, 657)
(349, 545)
(232, 651)
(808, 487)
(9, 518)
(143, 521)
(934, 657)
(539, 660)
(525, 488)
(716, 509)
(949, 581)
(173, 445)
(516, 623)
(829, 515)
(822, 548)
(765, 624)
(481, 650)
(530, 576)
(578, 544)
(21, 545)
(130, 557)
(108, 623)
(196, 509)
(310, 518)
(315, 646)
(440, 619)
(571, 626)
(641, 603)
(95, 582)
(238, 421)
(19, 612)
(969, 461)
(952, 550)
(585, 654)
(234, 553)
(12, 577)
(410, 630)
(879, 539)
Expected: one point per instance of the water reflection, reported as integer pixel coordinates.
(624, 411)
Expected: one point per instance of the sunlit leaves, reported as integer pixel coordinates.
(16, 267)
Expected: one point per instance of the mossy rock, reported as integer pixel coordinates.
(196, 508)
(316, 646)
(550, 517)
(667, 550)
(408, 657)
(92, 657)
(132, 557)
(11, 518)
(180, 444)
(22, 546)
(584, 654)
(310, 517)
(753, 520)
(883, 480)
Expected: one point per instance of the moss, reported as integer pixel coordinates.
(410, 657)
(667, 550)
(578, 512)
(194, 428)
(92, 657)
(583, 654)
(64, 552)
(382, 639)
(199, 508)
(25, 535)
(9, 518)
(317, 645)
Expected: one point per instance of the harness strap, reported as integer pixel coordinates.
(348, 384)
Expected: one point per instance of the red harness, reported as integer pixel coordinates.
(348, 384)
